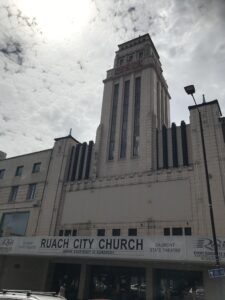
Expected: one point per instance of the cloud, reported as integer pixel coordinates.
(49, 86)
(131, 9)
(5, 118)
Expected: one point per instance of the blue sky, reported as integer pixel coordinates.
(54, 55)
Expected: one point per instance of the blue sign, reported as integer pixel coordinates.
(216, 273)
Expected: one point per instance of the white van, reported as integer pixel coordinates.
(28, 295)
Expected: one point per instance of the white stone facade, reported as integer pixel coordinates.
(42, 207)
(158, 190)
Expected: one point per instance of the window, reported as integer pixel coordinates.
(140, 55)
(19, 171)
(36, 167)
(136, 130)
(2, 173)
(113, 122)
(123, 145)
(74, 232)
(116, 232)
(177, 231)
(132, 231)
(13, 193)
(187, 231)
(101, 232)
(166, 231)
(130, 58)
(67, 232)
(14, 223)
(121, 61)
(31, 193)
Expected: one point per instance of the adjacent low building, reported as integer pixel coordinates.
(126, 217)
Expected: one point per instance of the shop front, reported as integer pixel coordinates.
(110, 268)
(126, 281)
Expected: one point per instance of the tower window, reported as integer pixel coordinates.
(101, 232)
(123, 145)
(113, 122)
(136, 131)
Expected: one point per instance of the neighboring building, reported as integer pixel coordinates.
(130, 211)
(30, 189)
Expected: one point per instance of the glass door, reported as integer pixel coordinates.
(178, 285)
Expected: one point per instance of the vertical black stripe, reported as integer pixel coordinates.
(162, 107)
(123, 146)
(184, 143)
(70, 163)
(81, 164)
(136, 130)
(165, 147)
(74, 170)
(88, 163)
(158, 105)
(157, 149)
(223, 129)
(113, 122)
(174, 145)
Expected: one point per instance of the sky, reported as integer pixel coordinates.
(54, 55)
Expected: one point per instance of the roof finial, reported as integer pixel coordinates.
(70, 131)
(203, 99)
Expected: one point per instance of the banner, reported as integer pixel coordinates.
(198, 249)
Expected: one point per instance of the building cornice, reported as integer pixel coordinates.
(66, 137)
(31, 153)
(137, 69)
(205, 104)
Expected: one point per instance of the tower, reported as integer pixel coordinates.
(135, 104)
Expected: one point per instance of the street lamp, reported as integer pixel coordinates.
(190, 90)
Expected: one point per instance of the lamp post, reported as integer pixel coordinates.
(190, 90)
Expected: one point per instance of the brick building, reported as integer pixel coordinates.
(125, 217)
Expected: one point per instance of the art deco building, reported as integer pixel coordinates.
(126, 217)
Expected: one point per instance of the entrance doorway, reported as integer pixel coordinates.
(117, 283)
(66, 279)
(178, 285)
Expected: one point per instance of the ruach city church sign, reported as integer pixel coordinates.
(137, 248)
